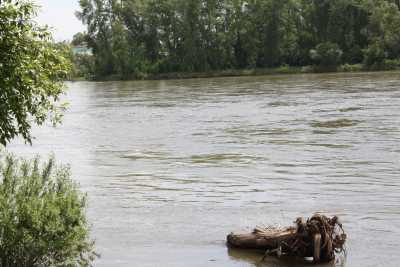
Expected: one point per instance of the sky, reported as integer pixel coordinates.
(60, 16)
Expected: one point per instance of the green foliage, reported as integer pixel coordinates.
(391, 64)
(83, 66)
(351, 68)
(133, 38)
(326, 54)
(79, 38)
(374, 54)
(32, 71)
(42, 216)
(82, 63)
(284, 69)
(383, 29)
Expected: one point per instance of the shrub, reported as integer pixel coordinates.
(284, 69)
(307, 69)
(83, 66)
(374, 54)
(42, 216)
(351, 67)
(353, 55)
(391, 64)
(326, 55)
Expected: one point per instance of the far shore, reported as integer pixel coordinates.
(357, 68)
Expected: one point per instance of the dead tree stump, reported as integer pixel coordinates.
(320, 237)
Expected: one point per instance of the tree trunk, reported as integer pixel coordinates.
(266, 239)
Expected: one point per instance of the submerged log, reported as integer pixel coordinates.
(320, 237)
(266, 239)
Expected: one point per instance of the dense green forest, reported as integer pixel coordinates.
(134, 38)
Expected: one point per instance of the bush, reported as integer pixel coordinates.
(351, 67)
(307, 69)
(353, 55)
(284, 69)
(83, 66)
(374, 55)
(42, 216)
(391, 64)
(326, 55)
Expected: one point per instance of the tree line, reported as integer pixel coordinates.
(130, 38)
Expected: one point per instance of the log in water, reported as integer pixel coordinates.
(320, 237)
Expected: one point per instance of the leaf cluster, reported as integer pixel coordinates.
(32, 72)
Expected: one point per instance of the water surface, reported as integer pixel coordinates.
(171, 167)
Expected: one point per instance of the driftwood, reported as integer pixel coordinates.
(319, 237)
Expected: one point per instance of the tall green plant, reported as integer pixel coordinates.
(42, 216)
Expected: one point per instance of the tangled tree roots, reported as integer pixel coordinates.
(319, 237)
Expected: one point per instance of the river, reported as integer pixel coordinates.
(171, 167)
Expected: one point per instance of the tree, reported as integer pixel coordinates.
(241, 35)
(347, 23)
(98, 16)
(268, 19)
(384, 27)
(79, 38)
(32, 71)
(213, 32)
(193, 54)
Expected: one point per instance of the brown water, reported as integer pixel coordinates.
(171, 167)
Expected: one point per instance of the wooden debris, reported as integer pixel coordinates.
(319, 237)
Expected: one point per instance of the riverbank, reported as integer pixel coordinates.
(346, 68)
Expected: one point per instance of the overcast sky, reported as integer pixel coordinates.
(60, 15)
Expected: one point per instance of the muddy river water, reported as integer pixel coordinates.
(171, 167)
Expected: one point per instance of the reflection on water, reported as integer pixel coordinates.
(257, 259)
(335, 123)
(171, 167)
(350, 109)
